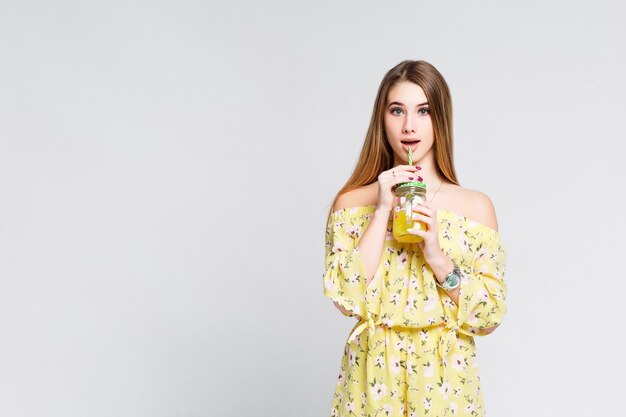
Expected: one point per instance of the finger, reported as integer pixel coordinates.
(391, 181)
(405, 168)
(399, 179)
(417, 230)
(393, 177)
(427, 204)
(422, 218)
(421, 208)
(402, 176)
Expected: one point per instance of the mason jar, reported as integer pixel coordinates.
(410, 195)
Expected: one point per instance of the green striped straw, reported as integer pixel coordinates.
(410, 156)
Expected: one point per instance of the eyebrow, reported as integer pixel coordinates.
(397, 102)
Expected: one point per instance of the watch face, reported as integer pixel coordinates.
(453, 280)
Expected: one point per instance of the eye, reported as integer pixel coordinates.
(394, 109)
(425, 112)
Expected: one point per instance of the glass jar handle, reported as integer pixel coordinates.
(408, 210)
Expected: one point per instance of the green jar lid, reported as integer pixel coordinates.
(411, 186)
(414, 183)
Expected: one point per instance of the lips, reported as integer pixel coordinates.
(409, 143)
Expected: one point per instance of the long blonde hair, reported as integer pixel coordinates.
(377, 155)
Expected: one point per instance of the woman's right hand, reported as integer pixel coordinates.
(386, 181)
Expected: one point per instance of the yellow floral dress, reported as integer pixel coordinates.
(412, 351)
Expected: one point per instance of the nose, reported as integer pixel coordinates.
(409, 125)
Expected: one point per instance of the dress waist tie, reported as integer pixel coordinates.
(361, 325)
(446, 341)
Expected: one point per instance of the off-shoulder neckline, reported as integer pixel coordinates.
(464, 218)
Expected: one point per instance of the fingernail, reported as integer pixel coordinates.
(410, 178)
(418, 167)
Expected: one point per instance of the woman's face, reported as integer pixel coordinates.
(407, 119)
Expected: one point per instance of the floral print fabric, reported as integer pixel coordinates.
(412, 351)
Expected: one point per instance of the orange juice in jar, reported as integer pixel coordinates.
(411, 194)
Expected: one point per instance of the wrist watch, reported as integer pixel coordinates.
(453, 279)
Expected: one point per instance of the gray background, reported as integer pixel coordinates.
(166, 168)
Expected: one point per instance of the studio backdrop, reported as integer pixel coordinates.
(166, 168)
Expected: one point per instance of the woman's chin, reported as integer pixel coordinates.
(403, 160)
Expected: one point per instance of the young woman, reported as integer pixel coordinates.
(418, 305)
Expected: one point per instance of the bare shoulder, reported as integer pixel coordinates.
(472, 204)
(480, 208)
(361, 196)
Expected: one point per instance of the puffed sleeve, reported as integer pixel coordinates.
(344, 275)
(483, 290)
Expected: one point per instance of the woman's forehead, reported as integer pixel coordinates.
(406, 93)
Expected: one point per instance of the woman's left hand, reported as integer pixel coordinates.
(426, 214)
